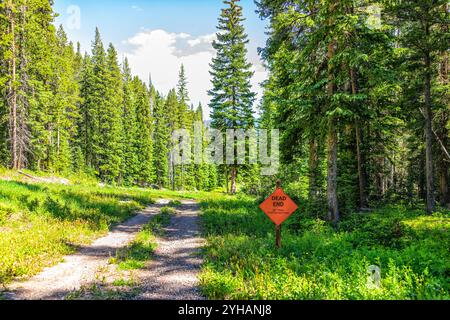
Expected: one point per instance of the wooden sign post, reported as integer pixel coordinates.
(278, 207)
(278, 236)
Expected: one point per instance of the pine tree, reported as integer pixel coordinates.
(174, 122)
(161, 138)
(94, 94)
(14, 48)
(200, 170)
(144, 128)
(4, 152)
(110, 120)
(64, 109)
(186, 117)
(182, 91)
(130, 162)
(443, 119)
(421, 34)
(78, 158)
(231, 95)
(87, 111)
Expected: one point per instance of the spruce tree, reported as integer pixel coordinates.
(110, 120)
(4, 77)
(185, 121)
(174, 122)
(231, 96)
(130, 162)
(144, 128)
(94, 93)
(161, 138)
(200, 170)
(27, 48)
(87, 113)
(182, 91)
(64, 110)
(78, 160)
(421, 34)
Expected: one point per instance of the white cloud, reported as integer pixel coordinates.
(209, 38)
(161, 53)
(137, 8)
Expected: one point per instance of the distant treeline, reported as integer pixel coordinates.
(66, 112)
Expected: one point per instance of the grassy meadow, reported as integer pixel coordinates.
(40, 223)
(318, 262)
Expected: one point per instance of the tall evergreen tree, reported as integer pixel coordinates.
(86, 123)
(421, 34)
(174, 122)
(25, 45)
(161, 138)
(110, 120)
(130, 162)
(78, 160)
(182, 90)
(144, 128)
(200, 170)
(231, 96)
(93, 94)
(64, 109)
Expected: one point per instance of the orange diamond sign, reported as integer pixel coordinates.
(278, 207)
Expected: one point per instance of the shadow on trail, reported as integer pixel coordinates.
(72, 203)
(172, 274)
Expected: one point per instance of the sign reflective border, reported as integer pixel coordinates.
(278, 207)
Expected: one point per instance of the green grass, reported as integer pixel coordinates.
(136, 255)
(42, 222)
(39, 223)
(125, 290)
(124, 283)
(174, 203)
(319, 262)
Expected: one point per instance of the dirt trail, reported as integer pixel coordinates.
(171, 275)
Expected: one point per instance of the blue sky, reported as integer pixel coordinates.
(158, 35)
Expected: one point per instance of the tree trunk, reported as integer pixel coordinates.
(313, 166)
(233, 180)
(226, 179)
(19, 134)
(444, 194)
(444, 190)
(172, 173)
(359, 156)
(443, 161)
(429, 138)
(380, 184)
(361, 168)
(12, 92)
(422, 189)
(333, 208)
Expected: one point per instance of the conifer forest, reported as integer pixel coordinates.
(356, 97)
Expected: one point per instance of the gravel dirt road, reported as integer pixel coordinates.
(172, 273)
